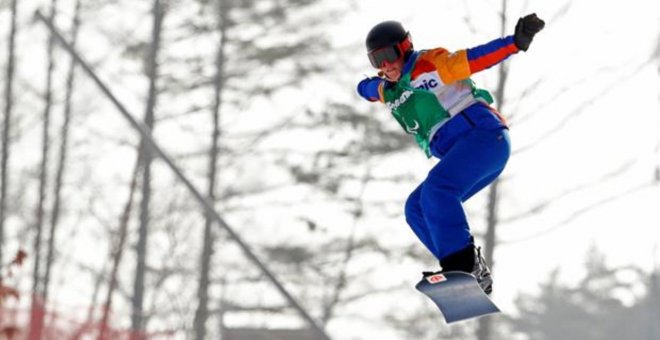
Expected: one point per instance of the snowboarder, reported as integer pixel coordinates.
(432, 97)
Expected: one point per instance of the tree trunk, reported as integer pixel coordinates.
(485, 324)
(340, 286)
(37, 309)
(484, 330)
(202, 313)
(118, 250)
(9, 101)
(137, 318)
(200, 198)
(64, 144)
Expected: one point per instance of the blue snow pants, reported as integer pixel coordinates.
(473, 148)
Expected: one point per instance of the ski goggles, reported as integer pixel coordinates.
(390, 54)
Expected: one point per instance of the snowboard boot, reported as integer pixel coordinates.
(469, 260)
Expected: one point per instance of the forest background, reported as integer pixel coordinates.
(254, 101)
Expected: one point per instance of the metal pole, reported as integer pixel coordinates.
(146, 135)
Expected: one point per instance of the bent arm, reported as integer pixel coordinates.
(371, 89)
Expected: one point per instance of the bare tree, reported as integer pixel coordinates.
(61, 163)
(202, 312)
(340, 284)
(255, 59)
(484, 331)
(137, 317)
(201, 199)
(118, 249)
(6, 138)
(37, 309)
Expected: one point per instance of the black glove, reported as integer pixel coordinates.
(526, 28)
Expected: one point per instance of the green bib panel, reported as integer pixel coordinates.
(416, 110)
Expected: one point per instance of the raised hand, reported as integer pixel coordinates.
(526, 28)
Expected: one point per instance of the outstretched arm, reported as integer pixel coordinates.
(490, 54)
(494, 52)
(463, 63)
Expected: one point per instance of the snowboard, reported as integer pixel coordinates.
(457, 295)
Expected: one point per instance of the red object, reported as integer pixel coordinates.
(436, 278)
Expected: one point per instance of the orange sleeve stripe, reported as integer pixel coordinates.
(451, 66)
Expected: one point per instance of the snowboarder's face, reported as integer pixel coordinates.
(392, 70)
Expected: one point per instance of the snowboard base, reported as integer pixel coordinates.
(457, 295)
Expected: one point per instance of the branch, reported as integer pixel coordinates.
(358, 214)
(582, 108)
(529, 90)
(580, 212)
(546, 203)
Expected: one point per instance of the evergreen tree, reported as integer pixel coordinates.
(593, 309)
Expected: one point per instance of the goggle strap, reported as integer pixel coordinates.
(406, 44)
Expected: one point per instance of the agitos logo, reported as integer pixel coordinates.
(411, 129)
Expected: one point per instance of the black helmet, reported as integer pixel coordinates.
(391, 39)
(387, 33)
